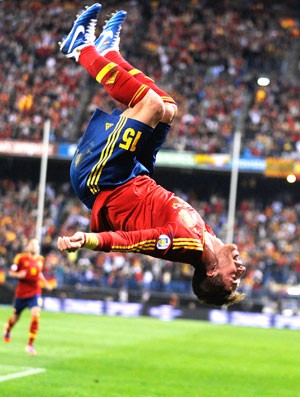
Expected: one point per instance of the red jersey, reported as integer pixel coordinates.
(148, 219)
(30, 285)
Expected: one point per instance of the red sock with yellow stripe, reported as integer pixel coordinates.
(117, 58)
(34, 327)
(119, 84)
(11, 322)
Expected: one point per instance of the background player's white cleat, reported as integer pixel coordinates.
(30, 350)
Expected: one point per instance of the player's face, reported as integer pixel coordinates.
(33, 247)
(230, 266)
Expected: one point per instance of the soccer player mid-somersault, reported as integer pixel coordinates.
(111, 170)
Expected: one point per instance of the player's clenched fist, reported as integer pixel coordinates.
(71, 243)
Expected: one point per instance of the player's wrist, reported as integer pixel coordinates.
(90, 241)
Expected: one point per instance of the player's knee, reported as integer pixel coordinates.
(35, 312)
(170, 113)
(155, 105)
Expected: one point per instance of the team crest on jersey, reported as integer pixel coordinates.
(163, 242)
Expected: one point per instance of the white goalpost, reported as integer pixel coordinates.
(233, 185)
(43, 179)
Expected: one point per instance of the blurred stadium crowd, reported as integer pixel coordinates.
(267, 236)
(207, 54)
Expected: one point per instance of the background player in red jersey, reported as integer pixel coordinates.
(27, 268)
(111, 167)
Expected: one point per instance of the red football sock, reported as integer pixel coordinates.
(117, 58)
(119, 84)
(11, 322)
(34, 326)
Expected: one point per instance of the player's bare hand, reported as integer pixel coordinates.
(48, 286)
(21, 274)
(71, 243)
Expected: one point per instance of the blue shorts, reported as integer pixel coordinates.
(106, 155)
(22, 303)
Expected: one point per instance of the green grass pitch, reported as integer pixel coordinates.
(101, 356)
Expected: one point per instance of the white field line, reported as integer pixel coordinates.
(28, 372)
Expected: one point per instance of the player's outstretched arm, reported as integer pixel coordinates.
(143, 241)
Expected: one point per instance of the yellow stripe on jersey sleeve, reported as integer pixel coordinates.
(148, 245)
(186, 243)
